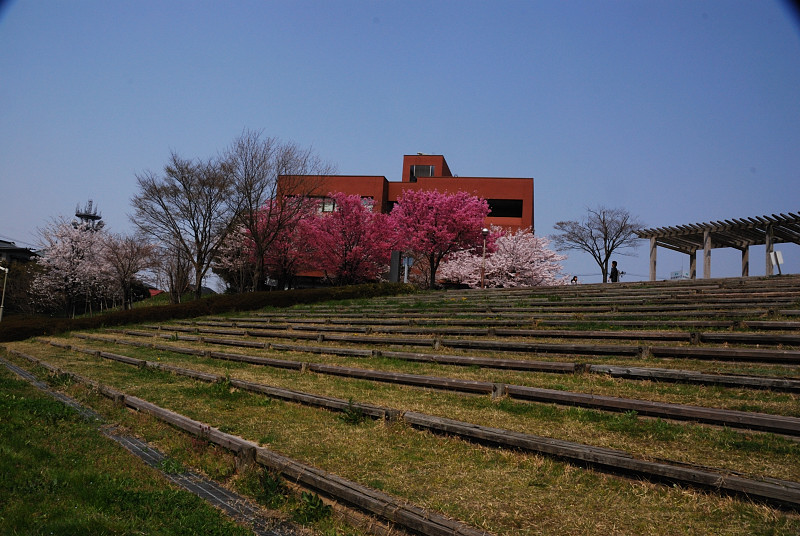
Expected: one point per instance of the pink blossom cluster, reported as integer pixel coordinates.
(353, 243)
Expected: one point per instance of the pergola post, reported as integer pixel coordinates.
(652, 259)
(706, 254)
(769, 240)
(746, 261)
(693, 265)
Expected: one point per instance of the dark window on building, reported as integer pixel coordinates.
(390, 205)
(505, 208)
(420, 171)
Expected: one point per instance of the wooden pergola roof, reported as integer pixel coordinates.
(736, 233)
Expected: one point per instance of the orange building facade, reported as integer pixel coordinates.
(510, 199)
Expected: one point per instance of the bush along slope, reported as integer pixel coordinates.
(24, 327)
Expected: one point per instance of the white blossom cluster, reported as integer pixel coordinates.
(516, 259)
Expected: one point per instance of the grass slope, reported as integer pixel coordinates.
(59, 475)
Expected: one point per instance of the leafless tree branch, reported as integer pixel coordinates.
(601, 233)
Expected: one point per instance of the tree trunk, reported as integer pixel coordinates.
(432, 271)
(259, 280)
(198, 283)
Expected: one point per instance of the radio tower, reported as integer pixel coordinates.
(89, 217)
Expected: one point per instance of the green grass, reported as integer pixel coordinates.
(59, 475)
(491, 488)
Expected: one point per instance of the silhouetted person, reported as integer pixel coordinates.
(614, 272)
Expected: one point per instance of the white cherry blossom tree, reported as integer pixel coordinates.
(75, 270)
(518, 259)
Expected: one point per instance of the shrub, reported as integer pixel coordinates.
(24, 327)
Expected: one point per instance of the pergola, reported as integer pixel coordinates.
(738, 233)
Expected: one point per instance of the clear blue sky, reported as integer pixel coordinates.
(680, 111)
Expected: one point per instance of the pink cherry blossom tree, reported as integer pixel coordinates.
(288, 254)
(352, 244)
(518, 259)
(292, 251)
(263, 168)
(432, 225)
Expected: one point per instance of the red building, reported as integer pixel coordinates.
(510, 199)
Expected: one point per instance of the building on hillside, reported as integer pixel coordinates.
(11, 252)
(510, 199)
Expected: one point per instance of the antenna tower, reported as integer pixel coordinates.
(89, 217)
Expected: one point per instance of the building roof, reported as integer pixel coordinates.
(9, 251)
(735, 233)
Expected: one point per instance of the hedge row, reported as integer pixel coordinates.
(17, 328)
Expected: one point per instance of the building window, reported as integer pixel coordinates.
(505, 208)
(421, 171)
(327, 205)
(324, 204)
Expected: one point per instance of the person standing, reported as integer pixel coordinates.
(614, 272)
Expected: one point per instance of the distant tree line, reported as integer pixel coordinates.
(228, 214)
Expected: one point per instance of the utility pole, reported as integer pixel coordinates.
(3, 299)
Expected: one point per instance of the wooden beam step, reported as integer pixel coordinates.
(736, 419)
(776, 491)
(757, 355)
(689, 376)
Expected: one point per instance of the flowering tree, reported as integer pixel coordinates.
(518, 259)
(292, 250)
(352, 244)
(74, 267)
(256, 163)
(433, 225)
(288, 254)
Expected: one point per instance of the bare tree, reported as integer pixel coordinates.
(190, 209)
(602, 232)
(173, 270)
(127, 256)
(256, 162)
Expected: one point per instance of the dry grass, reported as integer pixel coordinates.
(753, 453)
(777, 403)
(505, 492)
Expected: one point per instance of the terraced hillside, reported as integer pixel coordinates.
(658, 408)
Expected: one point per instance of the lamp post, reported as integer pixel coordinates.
(485, 233)
(3, 299)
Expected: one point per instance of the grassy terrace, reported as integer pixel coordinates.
(502, 491)
(62, 477)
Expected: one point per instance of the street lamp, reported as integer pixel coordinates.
(3, 299)
(485, 233)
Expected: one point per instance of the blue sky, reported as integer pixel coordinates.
(679, 111)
